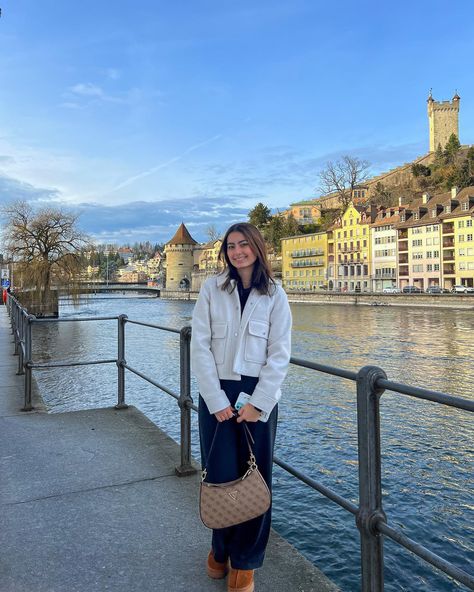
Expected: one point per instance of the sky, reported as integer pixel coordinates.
(140, 115)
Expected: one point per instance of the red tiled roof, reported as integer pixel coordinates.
(182, 237)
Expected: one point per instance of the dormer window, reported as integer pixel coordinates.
(402, 218)
(465, 206)
(433, 213)
(447, 209)
(416, 216)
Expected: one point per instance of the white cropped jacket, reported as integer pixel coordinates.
(226, 345)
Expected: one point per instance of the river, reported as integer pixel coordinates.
(427, 448)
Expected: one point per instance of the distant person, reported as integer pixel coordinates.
(241, 341)
(4, 296)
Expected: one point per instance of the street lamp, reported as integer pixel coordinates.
(107, 266)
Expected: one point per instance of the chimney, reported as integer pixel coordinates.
(426, 197)
(454, 192)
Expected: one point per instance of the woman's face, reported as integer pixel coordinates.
(239, 251)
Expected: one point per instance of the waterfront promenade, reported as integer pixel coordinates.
(90, 502)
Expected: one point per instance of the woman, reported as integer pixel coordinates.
(241, 342)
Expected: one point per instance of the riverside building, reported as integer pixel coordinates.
(383, 238)
(352, 249)
(304, 261)
(435, 240)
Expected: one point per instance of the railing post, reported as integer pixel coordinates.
(21, 343)
(122, 319)
(27, 362)
(185, 399)
(15, 321)
(370, 479)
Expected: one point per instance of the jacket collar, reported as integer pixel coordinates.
(221, 278)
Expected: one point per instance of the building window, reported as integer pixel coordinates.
(465, 206)
(416, 216)
(417, 268)
(447, 209)
(429, 255)
(417, 243)
(469, 223)
(461, 224)
(429, 267)
(433, 213)
(436, 267)
(469, 237)
(435, 254)
(461, 238)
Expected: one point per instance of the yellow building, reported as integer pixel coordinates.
(209, 256)
(304, 212)
(304, 261)
(458, 238)
(352, 249)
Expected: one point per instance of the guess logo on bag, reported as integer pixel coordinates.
(233, 494)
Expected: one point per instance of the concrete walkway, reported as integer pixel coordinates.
(89, 502)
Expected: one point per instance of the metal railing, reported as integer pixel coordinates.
(371, 383)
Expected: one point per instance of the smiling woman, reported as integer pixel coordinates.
(240, 352)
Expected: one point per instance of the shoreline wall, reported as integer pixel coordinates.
(460, 301)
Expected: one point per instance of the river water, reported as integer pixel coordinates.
(427, 448)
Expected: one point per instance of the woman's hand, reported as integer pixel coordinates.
(248, 413)
(227, 413)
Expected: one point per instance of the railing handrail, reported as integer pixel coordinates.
(371, 383)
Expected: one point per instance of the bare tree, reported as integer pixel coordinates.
(342, 177)
(212, 233)
(45, 245)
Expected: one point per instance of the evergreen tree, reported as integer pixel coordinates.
(260, 215)
(451, 149)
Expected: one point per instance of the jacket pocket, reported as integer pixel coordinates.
(256, 342)
(218, 341)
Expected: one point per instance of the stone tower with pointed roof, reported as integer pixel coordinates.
(179, 260)
(443, 118)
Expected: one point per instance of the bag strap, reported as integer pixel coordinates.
(248, 437)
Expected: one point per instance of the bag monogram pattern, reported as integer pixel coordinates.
(226, 504)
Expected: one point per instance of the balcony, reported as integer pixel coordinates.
(402, 259)
(307, 263)
(307, 253)
(403, 273)
(385, 276)
(402, 245)
(448, 243)
(449, 269)
(448, 255)
(402, 234)
(448, 228)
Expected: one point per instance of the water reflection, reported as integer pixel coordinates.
(427, 448)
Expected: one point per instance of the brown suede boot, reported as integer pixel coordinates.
(240, 580)
(216, 570)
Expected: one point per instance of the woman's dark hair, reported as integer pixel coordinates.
(262, 277)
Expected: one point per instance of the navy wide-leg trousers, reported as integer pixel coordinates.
(244, 543)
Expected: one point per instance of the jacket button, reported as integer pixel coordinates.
(235, 334)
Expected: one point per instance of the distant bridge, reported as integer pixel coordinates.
(101, 287)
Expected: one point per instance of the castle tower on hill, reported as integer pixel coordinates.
(179, 260)
(443, 118)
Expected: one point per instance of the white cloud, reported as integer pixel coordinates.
(87, 89)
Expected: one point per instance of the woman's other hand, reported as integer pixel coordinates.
(248, 413)
(227, 413)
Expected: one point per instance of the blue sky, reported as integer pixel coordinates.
(142, 114)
